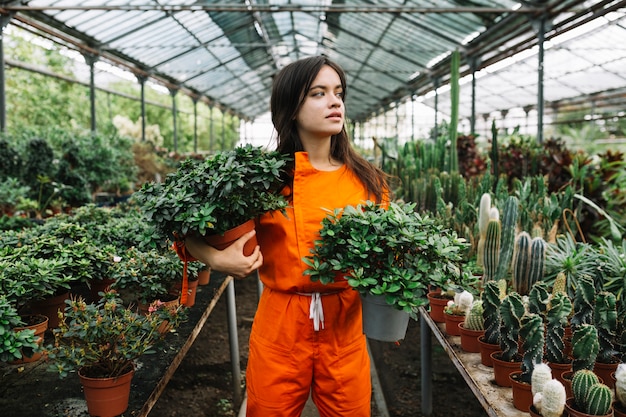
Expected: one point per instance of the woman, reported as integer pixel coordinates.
(307, 337)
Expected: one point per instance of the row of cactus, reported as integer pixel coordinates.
(590, 395)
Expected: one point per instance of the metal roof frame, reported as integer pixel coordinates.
(226, 54)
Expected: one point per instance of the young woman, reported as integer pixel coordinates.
(307, 337)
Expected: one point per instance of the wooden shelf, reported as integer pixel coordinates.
(31, 390)
(497, 401)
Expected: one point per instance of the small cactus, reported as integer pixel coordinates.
(510, 214)
(537, 260)
(550, 402)
(582, 381)
(599, 400)
(620, 384)
(540, 375)
(511, 312)
(585, 347)
(539, 298)
(521, 263)
(491, 312)
(584, 300)
(556, 320)
(605, 320)
(484, 210)
(474, 319)
(531, 332)
(491, 255)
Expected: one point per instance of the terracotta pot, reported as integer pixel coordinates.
(204, 276)
(437, 304)
(533, 412)
(50, 307)
(605, 371)
(469, 338)
(230, 236)
(618, 410)
(107, 397)
(39, 326)
(452, 323)
(522, 394)
(559, 368)
(573, 412)
(486, 349)
(191, 293)
(502, 369)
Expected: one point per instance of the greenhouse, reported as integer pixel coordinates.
(458, 163)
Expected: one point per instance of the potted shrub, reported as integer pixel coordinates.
(103, 352)
(215, 195)
(390, 255)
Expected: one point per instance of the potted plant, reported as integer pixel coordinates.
(492, 296)
(548, 393)
(472, 327)
(591, 397)
(605, 320)
(213, 196)
(508, 359)
(532, 336)
(16, 342)
(620, 391)
(456, 310)
(558, 311)
(103, 352)
(389, 254)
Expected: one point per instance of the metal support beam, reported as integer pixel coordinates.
(195, 124)
(142, 83)
(91, 60)
(540, 107)
(173, 92)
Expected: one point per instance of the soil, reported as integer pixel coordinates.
(202, 385)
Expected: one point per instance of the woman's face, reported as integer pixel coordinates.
(322, 112)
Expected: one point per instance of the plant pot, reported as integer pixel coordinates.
(618, 410)
(107, 397)
(502, 369)
(382, 321)
(437, 303)
(221, 242)
(606, 371)
(533, 412)
(558, 369)
(486, 349)
(452, 323)
(469, 338)
(96, 286)
(191, 293)
(39, 326)
(522, 393)
(573, 412)
(50, 307)
(204, 276)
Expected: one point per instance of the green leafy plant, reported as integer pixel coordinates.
(13, 344)
(103, 339)
(217, 194)
(391, 251)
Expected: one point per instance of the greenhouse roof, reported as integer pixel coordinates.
(226, 53)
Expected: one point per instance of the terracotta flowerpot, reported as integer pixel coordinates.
(566, 377)
(107, 397)
(39, 324)
(573, 412)
(606, 371)
(618, 410)
(452, 323)
(50, 307)
(522, 394)
(437, 303)
(559, 368)
(502, 369)
(230, 236)
(486, 349)
(204, 276)
(191, 293)
(469, 338)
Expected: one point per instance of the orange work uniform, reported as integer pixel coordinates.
(307, 337)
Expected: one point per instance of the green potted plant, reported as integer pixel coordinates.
(548, 393)
(104, 353)
(590, 396)
(16, 343)
(508, 359)
(389, 254)
(456, 310)
(215, 195)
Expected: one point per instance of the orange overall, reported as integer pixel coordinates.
(307, 337)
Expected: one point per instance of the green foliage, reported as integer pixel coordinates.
(394, 252)
(605, 320)
(217, 194)
(14, 343)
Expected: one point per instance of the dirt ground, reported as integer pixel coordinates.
(202, 385)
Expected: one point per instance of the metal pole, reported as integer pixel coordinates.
(142, 82)
(234, 341)
(4, 21)
(540, 40)
(427, 368)
(173, 93)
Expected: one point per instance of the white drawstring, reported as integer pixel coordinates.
(316, 311)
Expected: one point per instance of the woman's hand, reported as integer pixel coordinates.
(231, 260)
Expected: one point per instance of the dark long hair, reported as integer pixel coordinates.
(288, 93)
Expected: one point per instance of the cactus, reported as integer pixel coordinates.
(483, 220)
(620, 384)
(521, 264)
(585, 347)
(540, 375)
(559, 283)
(550, 401)
(599, 400)
(584, 299)
(511, 312)
(605, 320)
(474, 319)
(537, 260)
(509, 222)
(539, 298)
(491, 255)
(491, 312)
(582, 381)
(461, 304)
(531, 332)
(556, 320)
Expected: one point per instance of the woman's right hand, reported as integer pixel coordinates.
(231, 260)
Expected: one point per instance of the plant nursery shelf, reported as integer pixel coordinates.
(497, 401)
(31, 390)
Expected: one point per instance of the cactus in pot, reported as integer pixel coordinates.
(620, 385)
(491, 251)
(511, 312)
(585, 347)
(461, 304)
(590, 395)
(528, 262)
(539, 298)
(510, 214)
(474, 319)
(605, 320)
(584, 300)
(532, 335)
(548, 394)
(492, 297)
(484, 211)
(540, 376)
(556, 320)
